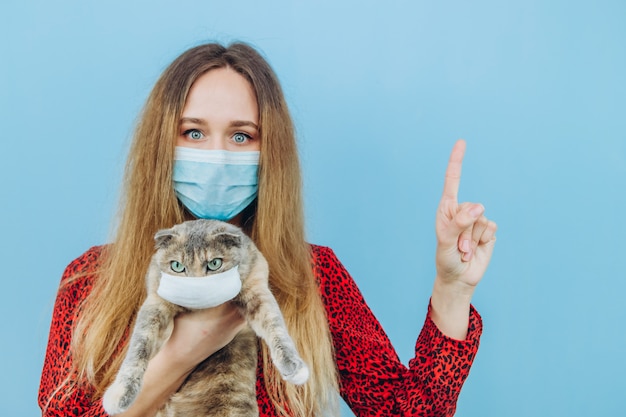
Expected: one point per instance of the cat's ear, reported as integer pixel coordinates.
(163, 237)
(229, 239)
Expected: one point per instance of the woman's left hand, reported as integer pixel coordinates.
(465, 237)
(465, 242)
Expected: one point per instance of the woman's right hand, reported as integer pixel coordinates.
(199, 334)
(196, 336)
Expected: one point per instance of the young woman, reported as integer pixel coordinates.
(227, 101)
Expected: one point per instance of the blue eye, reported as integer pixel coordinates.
(194, 134)
(214, 264)
(177, 266)
(240, 138)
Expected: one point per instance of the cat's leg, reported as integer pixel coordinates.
(223, 385)
(262, 312)
(153, 319)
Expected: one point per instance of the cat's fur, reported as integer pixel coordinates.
(224, 383)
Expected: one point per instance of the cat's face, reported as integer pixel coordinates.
(199, 248)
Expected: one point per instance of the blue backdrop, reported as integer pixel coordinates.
(379, 94)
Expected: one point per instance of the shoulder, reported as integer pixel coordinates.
(78, 276)
(323, 255)
(332, 277)
(76, 285)
(346, 309)
(326, 265)
(85, 264)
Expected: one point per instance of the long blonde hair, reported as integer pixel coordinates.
(275, 223)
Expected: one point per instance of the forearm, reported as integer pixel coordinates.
(451, 307)
(195, 337)
(161, 379)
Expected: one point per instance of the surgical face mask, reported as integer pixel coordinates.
(200, 292)
(215, 184)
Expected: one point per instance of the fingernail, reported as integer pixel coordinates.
(465, 246)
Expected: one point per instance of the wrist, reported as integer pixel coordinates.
(171, 360)
(453, 291)
(450, 307)
(161, 379)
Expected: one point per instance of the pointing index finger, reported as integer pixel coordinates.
(453, 172)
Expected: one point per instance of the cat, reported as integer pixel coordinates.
(223, 384)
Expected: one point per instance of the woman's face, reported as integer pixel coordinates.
(221, 112)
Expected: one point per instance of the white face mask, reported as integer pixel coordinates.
(200, 292)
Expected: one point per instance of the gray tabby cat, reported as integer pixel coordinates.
(224, 383)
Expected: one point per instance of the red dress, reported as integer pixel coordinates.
(373, 380)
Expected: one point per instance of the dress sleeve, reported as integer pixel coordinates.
(373, 381)
(58, 393)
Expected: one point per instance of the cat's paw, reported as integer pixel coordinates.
(118, 397)
(299, 375)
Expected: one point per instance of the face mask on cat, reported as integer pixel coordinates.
(200, 292)
(215, 184)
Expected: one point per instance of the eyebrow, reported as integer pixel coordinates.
(192, 120)
(234, 123)
(241, 123)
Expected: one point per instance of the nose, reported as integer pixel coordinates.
(216, 143)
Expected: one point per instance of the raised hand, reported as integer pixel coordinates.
(465, 242)
(465, 237)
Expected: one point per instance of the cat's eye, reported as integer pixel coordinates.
(177, 266)
(214, 264)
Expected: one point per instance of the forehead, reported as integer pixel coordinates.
(222, 95)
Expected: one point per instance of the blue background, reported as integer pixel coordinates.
(379, 92)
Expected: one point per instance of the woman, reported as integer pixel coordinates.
(214, 99)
